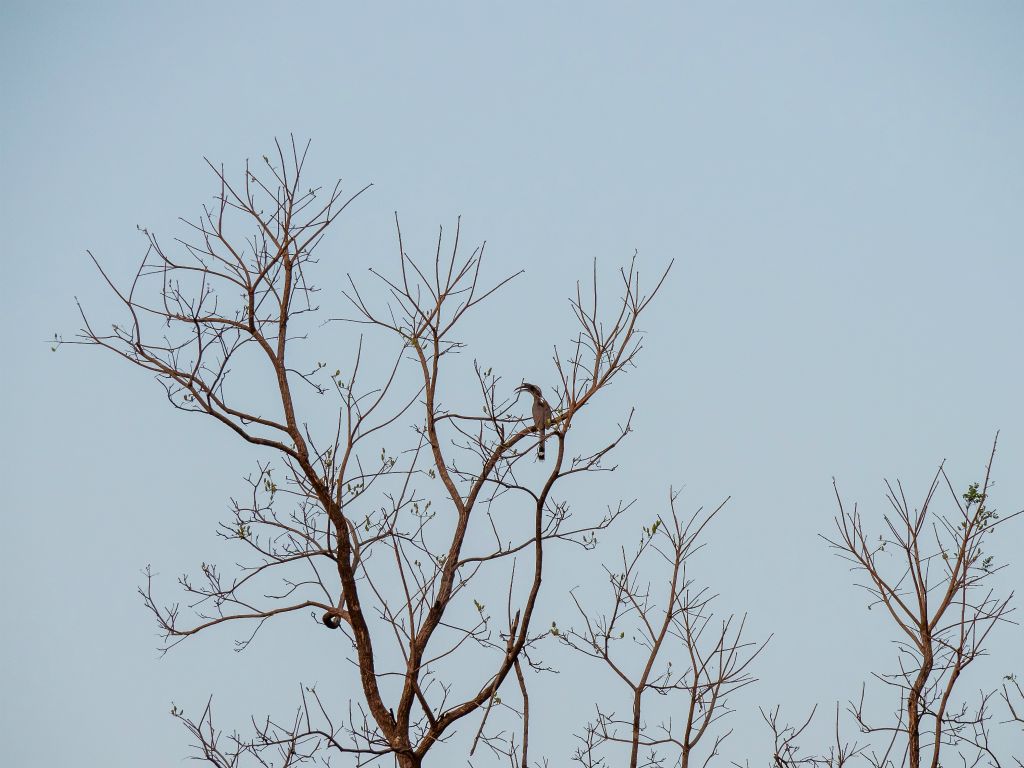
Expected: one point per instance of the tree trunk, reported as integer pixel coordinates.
(914, 708)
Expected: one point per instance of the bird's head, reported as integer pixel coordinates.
(533, 389)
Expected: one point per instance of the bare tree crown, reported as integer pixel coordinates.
(382, 546)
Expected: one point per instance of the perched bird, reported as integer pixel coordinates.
(541, 413)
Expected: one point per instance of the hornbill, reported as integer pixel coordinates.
(541, 413)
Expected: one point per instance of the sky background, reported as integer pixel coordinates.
(841, 186)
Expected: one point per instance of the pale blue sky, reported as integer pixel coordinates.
(840, 184)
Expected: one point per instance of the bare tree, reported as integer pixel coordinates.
(786, 750)
(383, 545)
(929, 571)
(671, 619)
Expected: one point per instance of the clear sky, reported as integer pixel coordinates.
(840, 184)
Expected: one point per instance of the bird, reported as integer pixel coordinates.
(541, 412)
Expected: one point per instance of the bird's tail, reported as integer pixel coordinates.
(540, 446)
